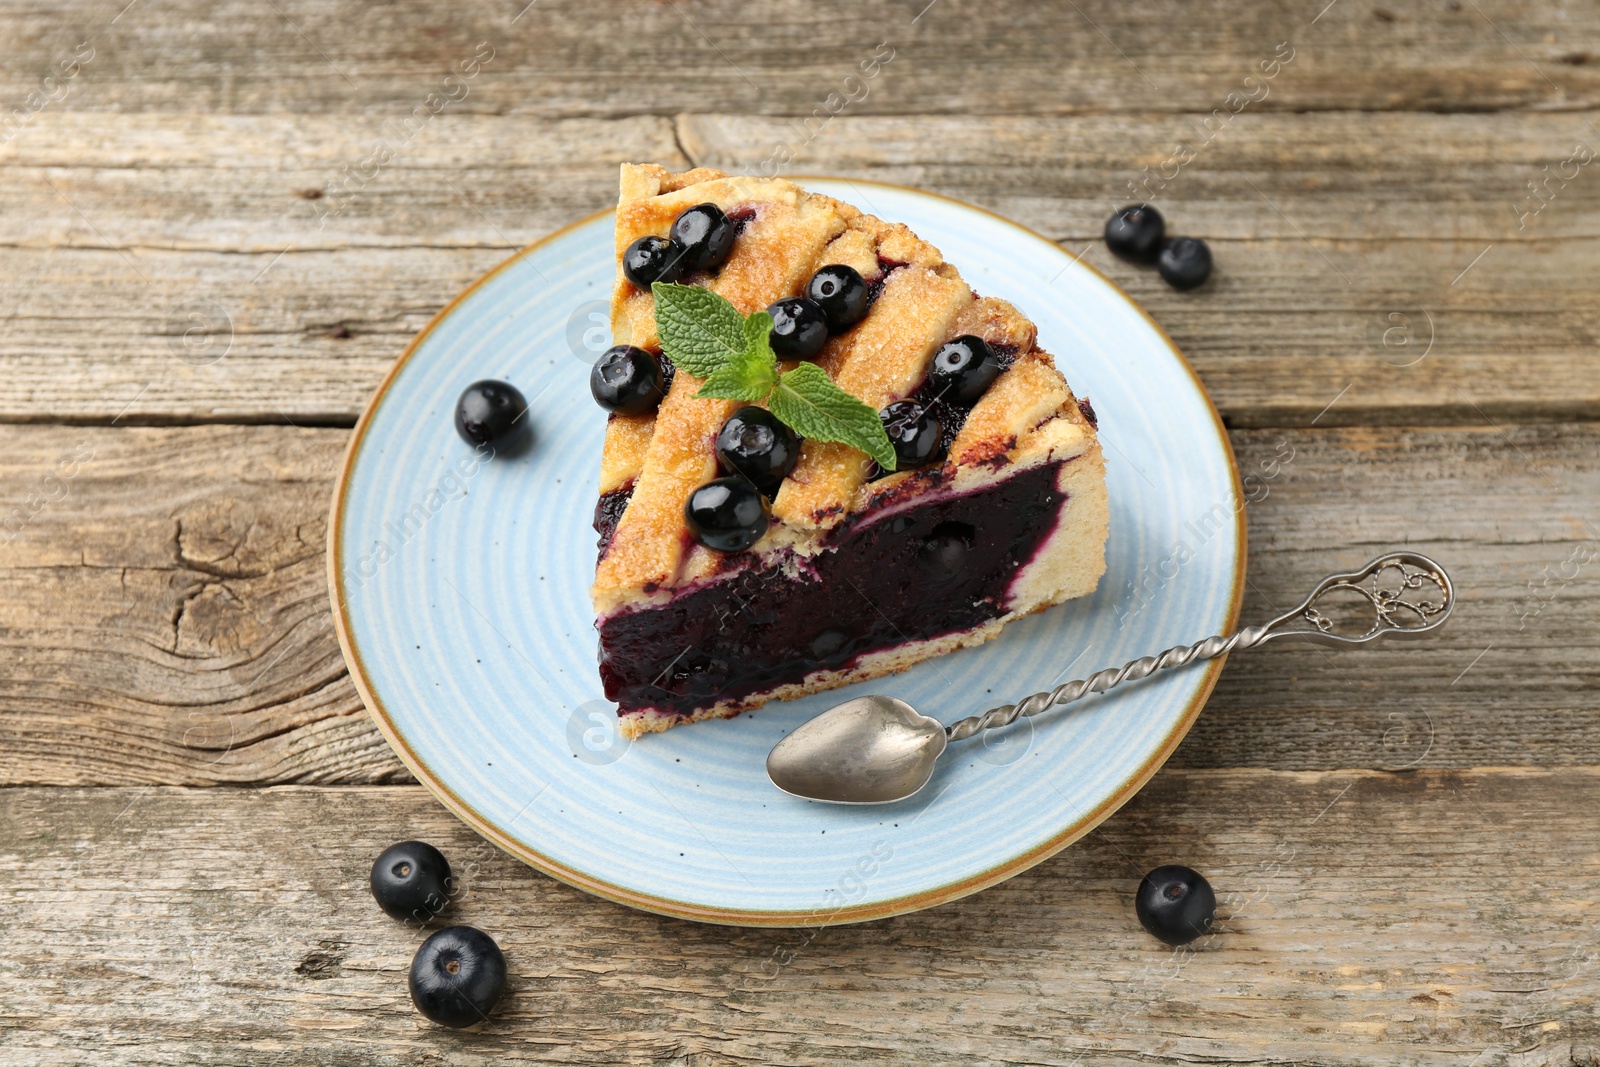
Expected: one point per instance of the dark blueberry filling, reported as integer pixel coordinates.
(886, 267)
(608, 512)
(950, 411)
(741, 217)
(926, 571)
(1088, 412)
(668, 369)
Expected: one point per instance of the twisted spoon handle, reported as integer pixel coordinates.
(1404, 594)
(1144, 667)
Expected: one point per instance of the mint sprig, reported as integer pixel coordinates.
(699, 330)
(705, 334)
(750, 374)
(808, 402)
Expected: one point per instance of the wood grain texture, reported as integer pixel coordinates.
(227, 294)
(165, 614)
(1421, 918)
(166, 606)
(177, 272)
(559, 57)
(194, 230)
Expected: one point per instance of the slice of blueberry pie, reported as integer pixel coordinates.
(827, 458)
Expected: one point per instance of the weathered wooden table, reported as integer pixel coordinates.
(220, 222)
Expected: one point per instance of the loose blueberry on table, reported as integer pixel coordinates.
(706, 236)
(627, 380)
(411, 880)
(457, 976)
(1175, 904)
(1135, 233)
(913, 431)
(653, 259)
(755, 444)
(490, 413)
(728, 514)
(963, 369)
(841, 294)
(799, 327)
(1185, 262)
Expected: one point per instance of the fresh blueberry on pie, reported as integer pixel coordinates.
(913, 431)
(963, 369)
(799, 327)
(727, 514)
(706, 235)
(841, 293)
(733, 572)
(627, 380)
(653, 259)
(755, 444)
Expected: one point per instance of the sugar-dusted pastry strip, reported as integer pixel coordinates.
(782, 239)
(882, 360)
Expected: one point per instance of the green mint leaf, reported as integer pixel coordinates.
(736, 381)
(750, 375)
(700, 331)
(758, 340)
(808, 402)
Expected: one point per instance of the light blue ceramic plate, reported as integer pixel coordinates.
(461, 598)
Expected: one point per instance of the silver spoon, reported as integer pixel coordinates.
(877, 750)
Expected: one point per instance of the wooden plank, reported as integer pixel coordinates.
(614, 57)
(166, 606)
(1512, 513)
(1352, 260)
(235, 927)
(1337, 177)
(1348, 246)
(208, 286)
(1275, 341)
(165, 619)
(1416, 176)
(253, 184)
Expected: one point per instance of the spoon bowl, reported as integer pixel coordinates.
(870, 750)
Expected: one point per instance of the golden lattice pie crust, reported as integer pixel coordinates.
(1028, 416)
